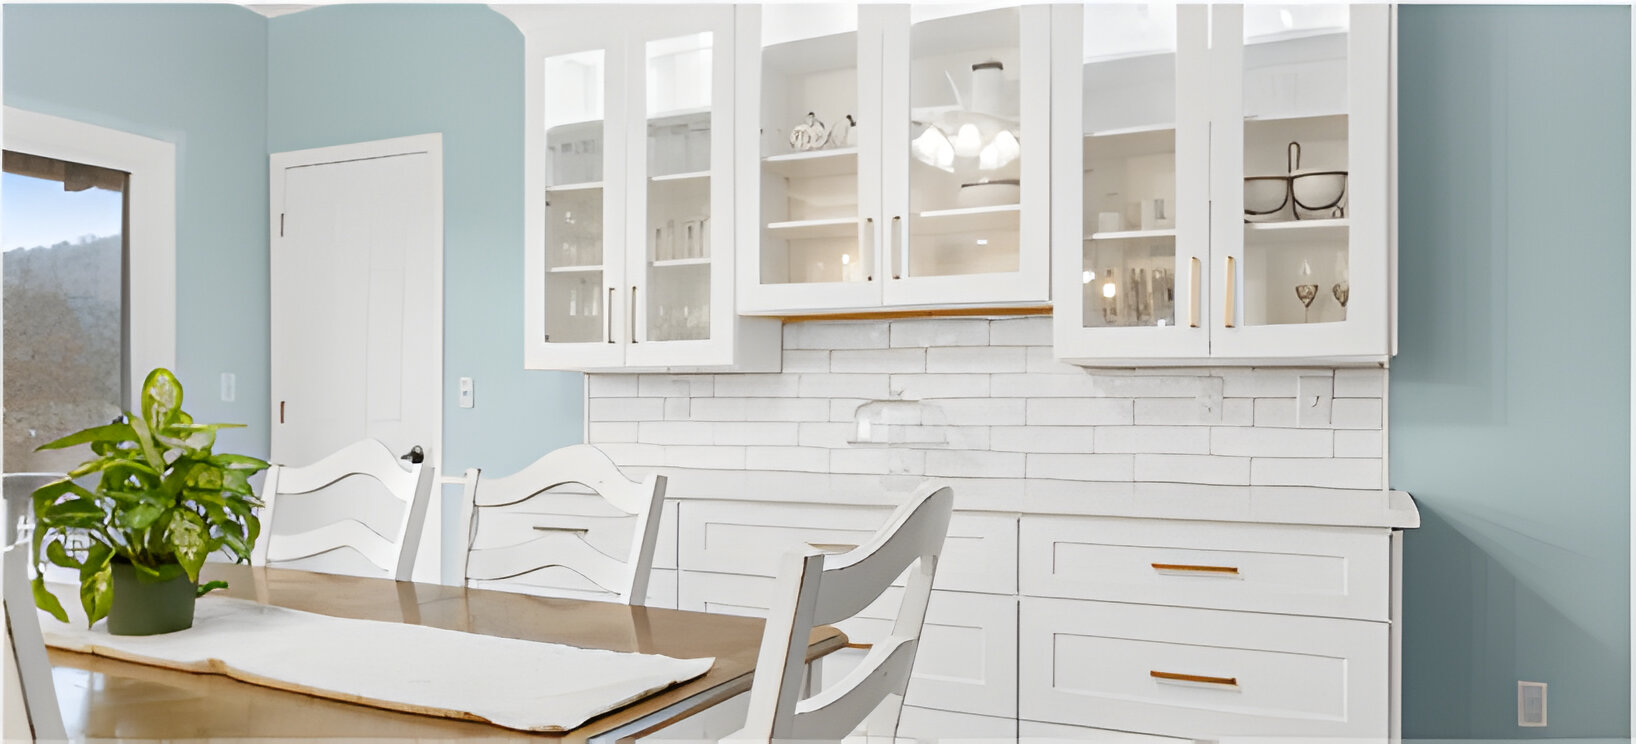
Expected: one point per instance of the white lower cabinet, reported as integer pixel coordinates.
(1180, 671)
(967, 660)
(1034, 732)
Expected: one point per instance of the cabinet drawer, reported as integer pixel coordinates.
(1328, 572)
(1034, 732)
(1202, 673)
(968, 654)
(607, 529)
(741, 537)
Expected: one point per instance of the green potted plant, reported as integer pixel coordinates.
(163, 501)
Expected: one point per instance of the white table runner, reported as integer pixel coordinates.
(523, 685)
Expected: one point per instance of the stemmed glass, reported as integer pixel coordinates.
(1343, 288)
(1306, 292)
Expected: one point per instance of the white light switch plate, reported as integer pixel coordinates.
(1314, 396)
(230, 383)
(466, 393)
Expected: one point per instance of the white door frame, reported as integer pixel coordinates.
(431, 144)
(151, 291)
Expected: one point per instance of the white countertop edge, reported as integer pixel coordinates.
(1185, 501)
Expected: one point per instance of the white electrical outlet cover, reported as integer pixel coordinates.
(1530, 704)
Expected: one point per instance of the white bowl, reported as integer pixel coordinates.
(1265, 196)
(1318, 190)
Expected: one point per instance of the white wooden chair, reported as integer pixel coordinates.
(19, 493)
(393, 552)
(815, 588)
(564, 542)
(30, 703)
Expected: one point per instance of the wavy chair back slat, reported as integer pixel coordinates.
(817, 589)
(368, 458)
(29, 690)
(567, 547)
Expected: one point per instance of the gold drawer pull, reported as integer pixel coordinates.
(833, 547)
(554, 528)
(1223, 570)
(1203, 680)
(863, 646)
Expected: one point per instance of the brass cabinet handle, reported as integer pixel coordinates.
(1232, 282)
(1189, 568)
(1194, 275)
(633, 314)
(608, 310)
(868, 234)
(897, 247)
(1173, 677)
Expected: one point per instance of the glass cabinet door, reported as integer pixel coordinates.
(817, 207)
(972, 201)
(577, 270)
(1305, 215)
(677, 179)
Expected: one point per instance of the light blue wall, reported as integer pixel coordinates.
(195, 75)
(343, 74)
(1510, 404)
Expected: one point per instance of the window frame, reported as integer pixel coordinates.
(150, 202)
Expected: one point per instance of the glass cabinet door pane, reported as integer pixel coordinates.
(574, 140)
(679, 72)
(1129, 77)
(1295, 164)
(809, 146)
(964, 151)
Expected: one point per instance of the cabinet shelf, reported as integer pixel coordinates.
(703, 261)
(585, 186)
(969, 219)
(814, 163)
(801, 229)
(1133, 234)
(680, 115)
(574, 269)
(690, 176)
(1296, 232)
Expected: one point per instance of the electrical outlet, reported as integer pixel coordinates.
(466, 394)
(1530, 703)
(1314, 397)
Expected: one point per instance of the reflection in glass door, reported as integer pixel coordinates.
(679, 229)
(965, 148)
(575, 136)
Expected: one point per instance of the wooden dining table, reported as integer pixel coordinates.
(105, 699)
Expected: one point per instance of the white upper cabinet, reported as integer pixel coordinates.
(629, 166)
(1233, 204)
(893, 166)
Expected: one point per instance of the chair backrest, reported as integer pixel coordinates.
(818, 589)
(28, 686)
(566, 545)
(19, 492)
(393, 552)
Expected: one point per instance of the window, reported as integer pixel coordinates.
(65, 303)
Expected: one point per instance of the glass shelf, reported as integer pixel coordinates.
(586, 186)
(842, 227)
(1169, 232)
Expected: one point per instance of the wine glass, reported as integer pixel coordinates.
(1306, 291)
(1343, 288)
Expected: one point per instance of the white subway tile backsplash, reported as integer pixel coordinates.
(870, 334)
(1245, 441)
(974, 464)
(1356, 413)
(925, 387)
(1359, 443)
(985, 404)
(1080, 411)
(1081, 467)
(960, 359)
(1041, 438)
(1031, 331)
(940, 332)
(878, 360)
(1205, 469)
(1321, 472)
(1174, 440)
(872, 386)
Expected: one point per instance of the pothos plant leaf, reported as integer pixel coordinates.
(162, 500)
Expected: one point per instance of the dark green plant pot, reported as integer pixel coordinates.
(144, 607)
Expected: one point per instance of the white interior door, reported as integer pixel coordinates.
(356, 269)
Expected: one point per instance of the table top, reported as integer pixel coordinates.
(105, 699)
